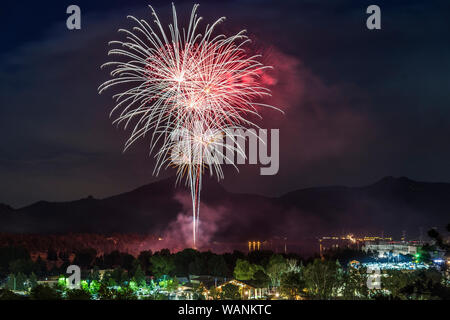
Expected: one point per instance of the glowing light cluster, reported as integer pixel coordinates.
(185, 89)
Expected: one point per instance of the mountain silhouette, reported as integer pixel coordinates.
(390, 205)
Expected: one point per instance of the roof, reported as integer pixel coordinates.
(240, 283)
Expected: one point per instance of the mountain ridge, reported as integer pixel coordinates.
(390, 204)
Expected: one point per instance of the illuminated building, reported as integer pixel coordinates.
(247, 290)
(347, 241)
(385, 248)
(254, 246)
(51, 281)
(404, 266)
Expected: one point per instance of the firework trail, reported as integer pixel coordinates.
(187, 90)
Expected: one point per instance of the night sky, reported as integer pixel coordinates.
(359, 104)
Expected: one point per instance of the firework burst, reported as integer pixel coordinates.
(185, 89)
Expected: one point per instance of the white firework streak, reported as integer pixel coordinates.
(193, 151)
(185, 82)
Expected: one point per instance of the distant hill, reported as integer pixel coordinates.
(390, 205)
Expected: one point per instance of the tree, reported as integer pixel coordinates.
(40, 267)
(426, 285)
(105, 293)
(108, 280)
(111, 282)
(78, 294)
(424, 253)
(21, 266)
(244, 270)
(52, 255)
(292, 284)
(438, 238)
(217, 266)
(231, 292)
(183, 260)
(63, 255)
(261, 279)
(33, 280)
(99, 262)
(94, 287)
(395, 281)
(63, 267)
(161, 265)
(11, 253)
(6, 294)
(21, 281)
(85, 257)
(139, 276)
(173, 285)
(293, 266)
(355, 284)
(276, 267)
(417, 285)
(127, 261)
(144, 259)
(260, 257)
(113, 259)
(322, 279)
(163, 252)
(44, 292)
(11, 282)
(95, 274)
(231, 258)
(119, 276)
(197, 266)
(125, 293)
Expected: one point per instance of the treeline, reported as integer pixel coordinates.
(292, 276)
(15, 259)
(37, 243)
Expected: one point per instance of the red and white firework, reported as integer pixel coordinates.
(185, 89)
